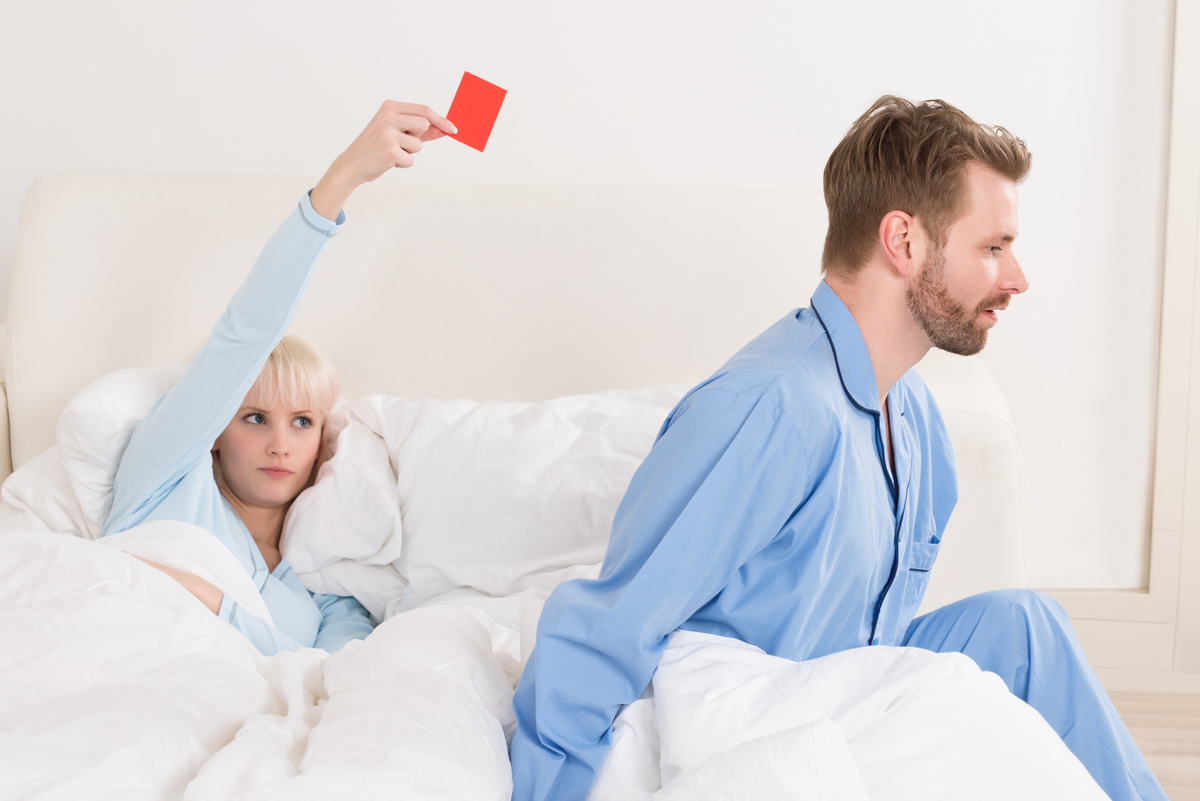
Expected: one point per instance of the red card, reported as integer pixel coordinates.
(474, 110)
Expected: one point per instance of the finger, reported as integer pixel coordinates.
(424, 112)
(403, 160)
(411, 124)
(409, 143)
(440, 123)
(433, 133)
(401, 150)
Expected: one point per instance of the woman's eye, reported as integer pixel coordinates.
(255, 418)
(304, 422)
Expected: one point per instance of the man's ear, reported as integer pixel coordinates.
(902, 241)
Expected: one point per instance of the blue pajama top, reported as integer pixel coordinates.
(765, 511)
(166, 472)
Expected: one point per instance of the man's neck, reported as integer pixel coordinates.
(894, 341)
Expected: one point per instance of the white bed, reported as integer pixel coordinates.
(571, 317)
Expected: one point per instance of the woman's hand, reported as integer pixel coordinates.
(390, 140)
(208, 595)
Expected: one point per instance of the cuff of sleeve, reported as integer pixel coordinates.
(316, 221)
(228, 607)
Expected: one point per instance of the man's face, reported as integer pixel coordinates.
(957, 294)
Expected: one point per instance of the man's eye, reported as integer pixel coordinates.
(995, 249)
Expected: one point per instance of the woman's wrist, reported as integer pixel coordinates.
(331, 192)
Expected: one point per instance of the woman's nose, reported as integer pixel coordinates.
(278, 444)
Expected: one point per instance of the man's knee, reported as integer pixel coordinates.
(1027, 609)
(1028, 603)
(1000, 630)
(1000, 613)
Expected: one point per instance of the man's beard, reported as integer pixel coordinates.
(948, 324)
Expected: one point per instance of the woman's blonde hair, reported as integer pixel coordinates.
(297, 375)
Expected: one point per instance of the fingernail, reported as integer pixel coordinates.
(453, 127)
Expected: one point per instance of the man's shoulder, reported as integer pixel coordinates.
(793, 348)
(790, 368)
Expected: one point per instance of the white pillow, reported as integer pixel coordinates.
(342, 535)
(342, 545)
(492, 497)
(68, 488)
(38, 496)
(97, 423)
(501, 497)
(94, 430)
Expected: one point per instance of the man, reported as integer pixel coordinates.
(796, 499)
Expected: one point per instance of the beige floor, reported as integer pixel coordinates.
(1167, 729)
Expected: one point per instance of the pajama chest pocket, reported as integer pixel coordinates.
(921, 556)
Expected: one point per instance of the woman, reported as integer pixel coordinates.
(238, 438)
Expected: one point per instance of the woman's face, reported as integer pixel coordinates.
(267, 452)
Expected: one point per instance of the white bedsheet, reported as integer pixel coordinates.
(885, 724)
(116, 683)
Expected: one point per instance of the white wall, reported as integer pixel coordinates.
(688, 92)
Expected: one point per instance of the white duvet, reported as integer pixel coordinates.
(116, 683)
(724, 720)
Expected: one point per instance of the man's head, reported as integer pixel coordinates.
(956, 292)
(912, 158)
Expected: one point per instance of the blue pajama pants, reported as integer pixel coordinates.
(1026, 639)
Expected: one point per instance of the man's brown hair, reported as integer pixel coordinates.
(910, 157)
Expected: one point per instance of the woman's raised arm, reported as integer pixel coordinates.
(390, 140)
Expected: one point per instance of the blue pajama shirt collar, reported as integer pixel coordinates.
(850, 352)
(858, 381)
(849, 348)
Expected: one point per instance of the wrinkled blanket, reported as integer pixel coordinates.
(725, 720)
(116, 683)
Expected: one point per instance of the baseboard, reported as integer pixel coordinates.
(1149, 681)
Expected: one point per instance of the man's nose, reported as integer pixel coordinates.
(1013, 280)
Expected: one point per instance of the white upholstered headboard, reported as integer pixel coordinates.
(519, 292)
(493, 292)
